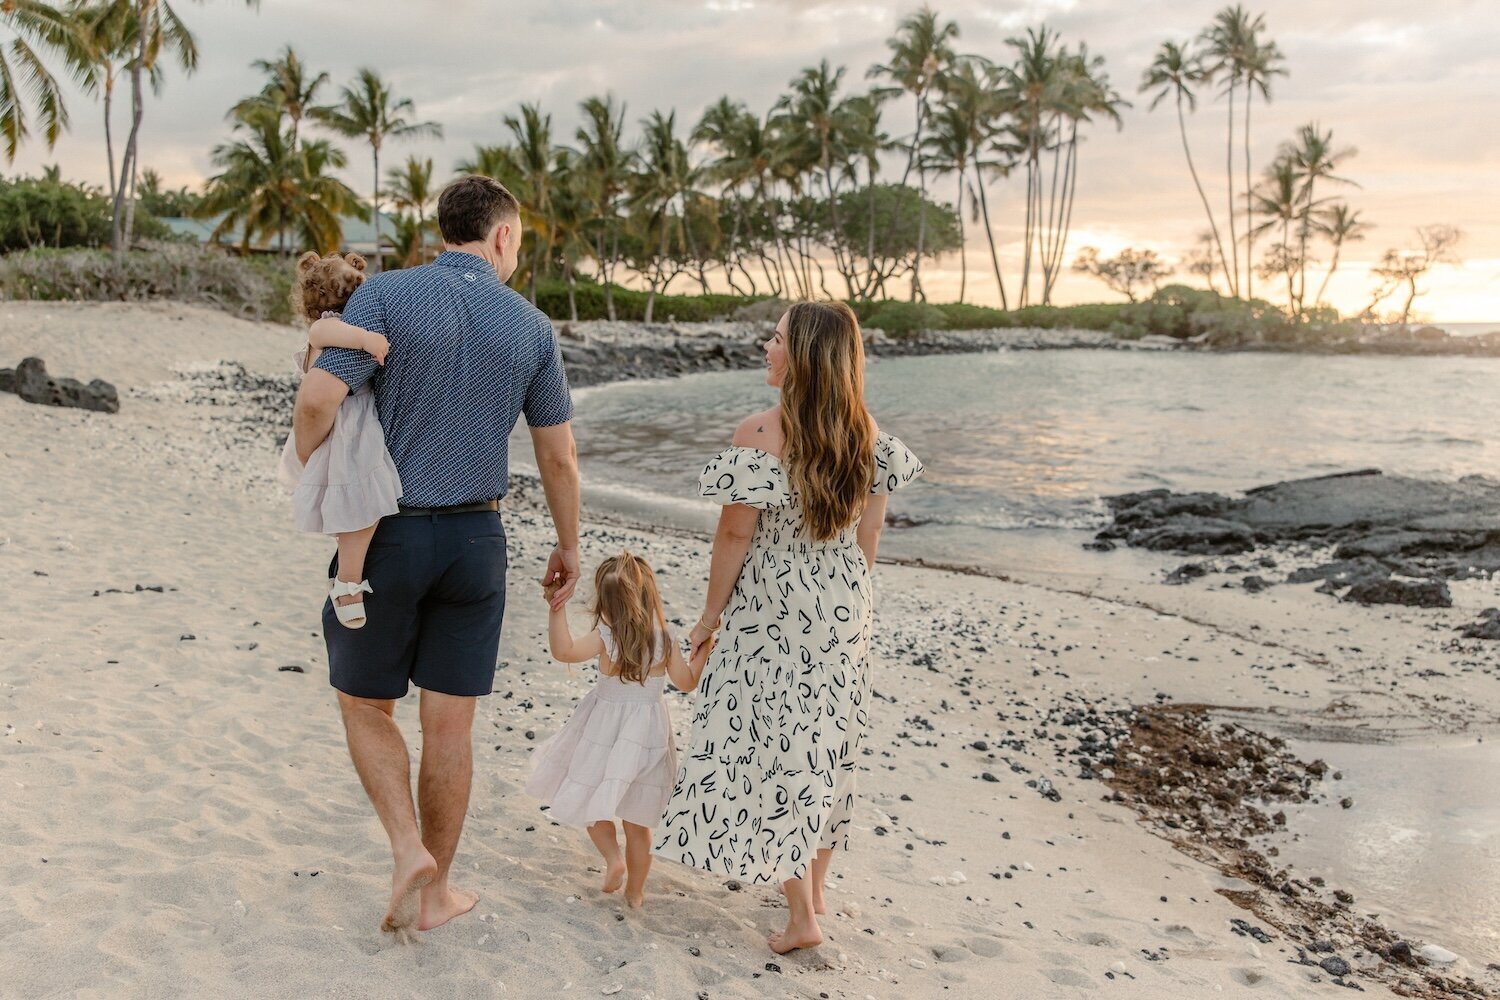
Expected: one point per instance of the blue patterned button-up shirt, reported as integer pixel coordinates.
(468, 356)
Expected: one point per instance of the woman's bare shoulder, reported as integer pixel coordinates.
(760, 430)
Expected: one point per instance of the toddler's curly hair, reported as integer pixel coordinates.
(324, 284)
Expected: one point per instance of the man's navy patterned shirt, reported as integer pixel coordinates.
(468, 356)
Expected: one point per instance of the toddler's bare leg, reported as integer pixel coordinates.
(637, 862)
(353, 547)
(605, 838)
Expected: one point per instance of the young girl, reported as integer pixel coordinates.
(349, 482)
(615, 755)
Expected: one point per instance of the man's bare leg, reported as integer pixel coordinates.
(380, 757)
(443, 798)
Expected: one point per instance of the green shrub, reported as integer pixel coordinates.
(630, 304)
(45, 212)
(902, 319)
(253, 289)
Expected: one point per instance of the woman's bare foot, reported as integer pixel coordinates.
(413, 873)
(820, 907)
(635, 900)
(439, 908)
(796, 936)
(614, 875)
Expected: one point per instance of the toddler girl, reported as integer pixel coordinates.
(349, 482)
(615, 755)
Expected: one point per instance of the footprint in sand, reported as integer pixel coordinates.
(985, 947)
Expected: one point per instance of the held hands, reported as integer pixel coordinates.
(700, 643)
(561, 578)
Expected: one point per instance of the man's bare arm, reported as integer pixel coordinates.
(557, 461)
(318, 400)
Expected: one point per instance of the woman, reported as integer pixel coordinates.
(767, 790)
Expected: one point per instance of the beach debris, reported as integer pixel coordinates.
(290, 668)
(1335, 966)
(30, 381)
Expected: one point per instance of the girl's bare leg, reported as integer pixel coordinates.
(353, 547)
(637, 863)
(605, 838)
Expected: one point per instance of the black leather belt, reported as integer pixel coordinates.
(464, 508)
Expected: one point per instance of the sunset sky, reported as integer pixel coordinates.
(1412, 86)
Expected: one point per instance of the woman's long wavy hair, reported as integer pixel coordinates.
(626, 599)
(830, 443)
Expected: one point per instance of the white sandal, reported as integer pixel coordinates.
(349, 615)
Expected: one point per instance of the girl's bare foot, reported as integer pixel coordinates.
(796, 935)
(439, 908)
(614, 875)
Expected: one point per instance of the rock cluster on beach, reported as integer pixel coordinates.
(30, 381)
(1381, 539)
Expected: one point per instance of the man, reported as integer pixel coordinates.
(467, 356)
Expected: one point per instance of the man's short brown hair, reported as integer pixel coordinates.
(469, 208)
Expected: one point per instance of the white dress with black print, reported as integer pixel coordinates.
(782, 704)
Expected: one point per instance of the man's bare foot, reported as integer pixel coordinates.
(796, 936)
(820, 906)
(411, 876)
(614, 875)
(441, 907)
(636, 901)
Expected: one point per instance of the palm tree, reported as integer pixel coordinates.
(98, 50)
(920, 56)
(25, 82)
(1315, 159)
(749, 157)
(1280, 200)
(812, 119)
(265, 187)
(289, 88)
(1262, 62)
(663, 186)
(154, 29)
(533, 154)
(1176, 71)
(497, 162)
(370, 110)
(605, 166)
(948, 149)
(411, 190)
(1341, 225)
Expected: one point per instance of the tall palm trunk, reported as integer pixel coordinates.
(1302, 234)
(1234, 240)
(916, 268)
(109, 141)
(989, 232)
(1187, 152)
(1249, 209)
(963, 252)
(375, 155)
(118, 232)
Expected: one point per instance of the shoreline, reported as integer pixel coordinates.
(174, 776)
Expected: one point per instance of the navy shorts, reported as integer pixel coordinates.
(435, 616)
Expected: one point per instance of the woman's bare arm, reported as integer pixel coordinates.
(870, 524)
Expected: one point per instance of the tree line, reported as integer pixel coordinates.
(811, 196)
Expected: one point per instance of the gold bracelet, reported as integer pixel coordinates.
(710, 629)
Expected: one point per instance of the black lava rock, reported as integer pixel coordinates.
(1488, 626)
(32, 383)
(1415, 594)
(1254, 584)
(1335, 966)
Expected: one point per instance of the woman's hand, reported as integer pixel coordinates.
(700, 641)
(699, 659)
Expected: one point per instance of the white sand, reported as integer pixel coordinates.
(181, 819)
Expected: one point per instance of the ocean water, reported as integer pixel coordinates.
(1020, 446)
(1030, 440)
